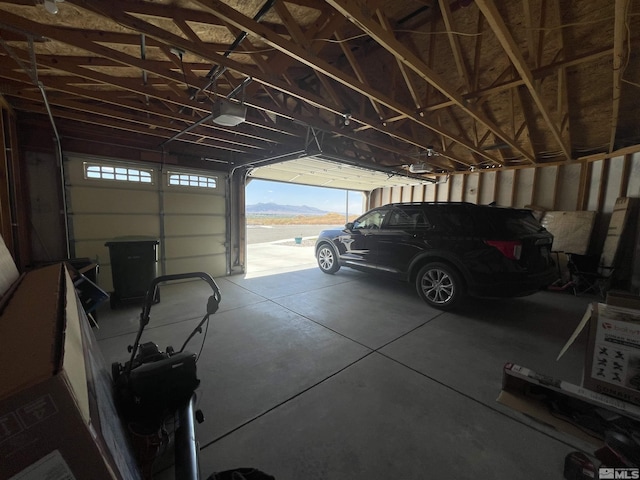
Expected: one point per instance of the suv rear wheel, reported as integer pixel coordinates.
(440, 285)
(327, 259)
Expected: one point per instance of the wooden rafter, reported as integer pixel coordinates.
(541, 72)
(562, 106)
(455, 44)
(134, 86)
(355, 66)
(353, 9)
(531, 37)
(406, 75)
(304, 63)
(229, 15)
(477, 53)
(619, 39)
(490, 12)
(124, 85)
(299, 37)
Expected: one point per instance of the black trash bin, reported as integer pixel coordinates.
(134, 263)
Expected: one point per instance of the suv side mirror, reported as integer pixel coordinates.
(348, 226)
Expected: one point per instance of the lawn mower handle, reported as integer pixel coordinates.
(151, 295)
(153, 286)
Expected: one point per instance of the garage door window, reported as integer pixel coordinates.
(100, 171)
(190, 180)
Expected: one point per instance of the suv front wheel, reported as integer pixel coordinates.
(440, 285)
(327, 259)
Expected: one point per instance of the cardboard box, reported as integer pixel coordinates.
(537, 396)
(623, 299)
(54, 419)
(612, 358)
(612, 362)
(571, 230)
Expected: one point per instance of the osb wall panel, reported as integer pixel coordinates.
(443, 192)
(523, 188)
(487, 187)
(594, 186)
(613, 181)
(407, 194)
(471, 188)
(456, 188)
(566, 194)
(504, 187)
(396, 195)
(633, 188)
(544, 186)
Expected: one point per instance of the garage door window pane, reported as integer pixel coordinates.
(110, 172)
(188, 180)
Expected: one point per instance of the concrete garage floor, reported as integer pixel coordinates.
(349, 376)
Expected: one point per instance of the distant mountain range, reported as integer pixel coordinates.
(276, 209)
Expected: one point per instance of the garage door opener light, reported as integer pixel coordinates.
(51, 6)
(228, 113)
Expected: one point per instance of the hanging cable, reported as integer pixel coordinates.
(33, 75)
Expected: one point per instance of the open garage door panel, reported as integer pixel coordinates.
(184, 210)
(321, 172)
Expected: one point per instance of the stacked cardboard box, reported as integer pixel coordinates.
(612, 361)
(57, 417)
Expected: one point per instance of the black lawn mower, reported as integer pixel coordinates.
(154, 385)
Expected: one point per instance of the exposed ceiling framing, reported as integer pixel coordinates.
(484, 84)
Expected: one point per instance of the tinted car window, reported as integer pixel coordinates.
(407, 218)
(372, 219)
(512, 222)
(450, 219)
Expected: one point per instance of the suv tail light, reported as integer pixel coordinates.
(512, 249)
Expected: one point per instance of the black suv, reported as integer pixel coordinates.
(447, 249)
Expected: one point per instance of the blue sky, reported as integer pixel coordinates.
(328, 199)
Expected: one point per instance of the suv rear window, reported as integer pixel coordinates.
(410, 217)
(454, 219)
(512, 222)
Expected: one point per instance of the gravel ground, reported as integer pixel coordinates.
(306, 242)
(274, 233)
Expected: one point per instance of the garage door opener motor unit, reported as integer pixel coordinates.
(154, 385)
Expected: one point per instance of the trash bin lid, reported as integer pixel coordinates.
(132, 239)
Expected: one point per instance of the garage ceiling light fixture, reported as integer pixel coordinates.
(51, 6)
(228, 113)
(422, 167)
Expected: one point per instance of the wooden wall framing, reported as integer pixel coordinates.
(13, 218)
(588, 185)
(591, 184)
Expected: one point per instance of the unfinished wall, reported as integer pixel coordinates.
(588, 185)
(47, 222)
(14, 226)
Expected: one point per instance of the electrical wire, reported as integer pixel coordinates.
(365, 35)
(559, 27)
(631, 83)
(204, 338)
(198, 329)
(414, 32)
(184, 74)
